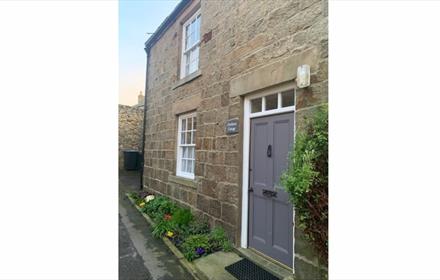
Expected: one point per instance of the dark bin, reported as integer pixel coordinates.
(131, 160)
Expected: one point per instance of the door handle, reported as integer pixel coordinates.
(269, 193)
(269, 151)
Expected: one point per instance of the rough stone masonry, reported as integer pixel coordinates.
(243, 40)
(130, 130)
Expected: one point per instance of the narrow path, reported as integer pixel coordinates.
(131, 264)
(142, 255)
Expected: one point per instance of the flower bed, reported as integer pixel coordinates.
(191, 236)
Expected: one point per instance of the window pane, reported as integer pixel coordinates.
(183, 168)
(186, 37)
(195, 123)
(182, 138)
(193, 137)
(190, 166)
(288, 98)
(184, 152)
(187, 65)
(191, 152)
(271, 102)
(256, 105)
(188, 137)
(197, 29)
(183, 124)
(193, 60)
(189, 122)
(193, 29)
(195, 54)
(192, 67)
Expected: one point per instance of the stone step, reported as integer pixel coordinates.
(268, 264)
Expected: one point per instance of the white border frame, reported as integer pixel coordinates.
(246, 154)
(182, 56)
(179, 173)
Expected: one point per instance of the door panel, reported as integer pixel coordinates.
(261, 141)
(282, 137)
(270, 212)
(259, 229)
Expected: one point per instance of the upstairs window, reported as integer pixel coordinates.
(186, 145)
(190, 45)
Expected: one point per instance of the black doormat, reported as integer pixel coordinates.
(246, 270)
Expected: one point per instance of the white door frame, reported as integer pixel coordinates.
(246, 153)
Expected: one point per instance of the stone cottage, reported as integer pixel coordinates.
(222, 105)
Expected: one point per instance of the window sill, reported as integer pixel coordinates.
(182, 181)
(187, 79)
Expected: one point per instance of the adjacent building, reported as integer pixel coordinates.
(222, 106)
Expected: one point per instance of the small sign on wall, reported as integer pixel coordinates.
(232, 126)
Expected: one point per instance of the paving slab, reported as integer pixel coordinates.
(213, 265)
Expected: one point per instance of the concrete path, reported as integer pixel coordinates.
(131, 264)
(141, 256)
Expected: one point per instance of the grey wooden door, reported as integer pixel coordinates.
(270, 212)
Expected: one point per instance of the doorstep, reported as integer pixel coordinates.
(213, 265)
(266, 263)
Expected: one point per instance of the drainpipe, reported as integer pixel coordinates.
(145, 121)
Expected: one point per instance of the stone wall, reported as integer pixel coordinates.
(247, 36)
(130, 130)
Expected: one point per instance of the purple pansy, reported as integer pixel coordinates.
(200, 251)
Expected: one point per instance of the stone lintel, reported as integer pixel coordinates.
(188, 104)
(272, 74)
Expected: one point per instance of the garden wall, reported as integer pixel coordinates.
(130, 130)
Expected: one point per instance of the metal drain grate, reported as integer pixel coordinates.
(247, 270)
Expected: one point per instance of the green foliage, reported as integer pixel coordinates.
(158, 207)
(193, 242)
(177, 223)
(162, 227)
(182, 217)
(192, 236)
(198, 227)
(306, 180)
(133, 195)
(219, 240)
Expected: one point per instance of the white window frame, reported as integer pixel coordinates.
(184, 52)
(277, 110)
(179, 172)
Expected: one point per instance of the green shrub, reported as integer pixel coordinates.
(158, 207)
(192, 243)
(162, 227)
(219, 241)
(177, 223)
(306, 180)
(196, 227)
(182, 217)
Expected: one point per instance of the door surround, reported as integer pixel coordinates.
(246, 152)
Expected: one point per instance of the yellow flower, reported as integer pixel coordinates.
(142, 204)
(170, 234)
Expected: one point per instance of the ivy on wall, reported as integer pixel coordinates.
(306, 180)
